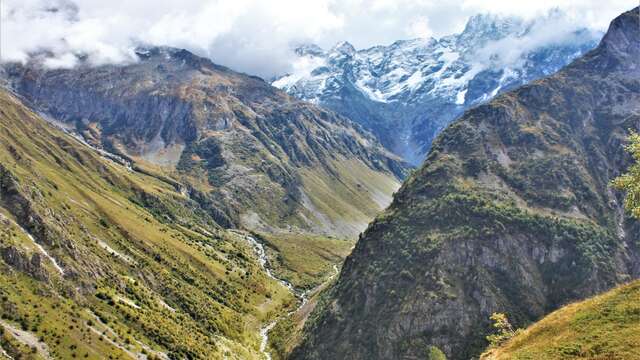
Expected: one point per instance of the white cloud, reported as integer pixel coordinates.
(419, 28)
(554, 28)
(254, 36)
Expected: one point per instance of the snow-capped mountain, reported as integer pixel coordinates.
(408, 91)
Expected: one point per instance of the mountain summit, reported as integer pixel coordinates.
(410, 90)
(511, 212)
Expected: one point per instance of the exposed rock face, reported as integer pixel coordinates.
(512, 212)
(237, 141)
(16, 203)
(407, 92)
(16, 259)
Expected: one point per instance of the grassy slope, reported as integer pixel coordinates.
(288, 332)
(304, 260)
(348, 199)
(122, 238)
(604, 327)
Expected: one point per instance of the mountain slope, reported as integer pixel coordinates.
(256, 157)
(604, 327)
(511, 212)
(99, 260)
(409, 91)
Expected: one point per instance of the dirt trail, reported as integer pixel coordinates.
(28, 339)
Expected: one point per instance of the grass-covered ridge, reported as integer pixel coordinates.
(606, 326)
(99, 260)
(303, 260)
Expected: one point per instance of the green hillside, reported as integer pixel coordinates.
(100, 261)
(604, 327)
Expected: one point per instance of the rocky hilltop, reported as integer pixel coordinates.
(252, 155)
(407, 92)
(511, 212)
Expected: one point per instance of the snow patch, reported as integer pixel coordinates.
(460, 97)
(46, 254)
(373, 94)
(302, 68)
(166, 306)
(127, 301)
(415, 80)
(113, 252)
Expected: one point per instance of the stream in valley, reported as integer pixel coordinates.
(303, 296)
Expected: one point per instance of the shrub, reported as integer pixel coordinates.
(503, 330)
(433, 353)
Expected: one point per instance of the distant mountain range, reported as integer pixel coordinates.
(407, 92)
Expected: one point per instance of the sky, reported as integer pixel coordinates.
(252, 36)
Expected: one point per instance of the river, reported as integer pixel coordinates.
(303, 296)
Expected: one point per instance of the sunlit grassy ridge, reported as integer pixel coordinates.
(603, 327)
(142, 268)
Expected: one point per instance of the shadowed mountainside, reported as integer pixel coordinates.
(511, 212)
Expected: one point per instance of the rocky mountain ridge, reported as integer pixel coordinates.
(255, 156)
(511, 212)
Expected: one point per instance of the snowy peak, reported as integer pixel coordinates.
(484, 27)
(343, 47)
(342, 51)
(417, 86)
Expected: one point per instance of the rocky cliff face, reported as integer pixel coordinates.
(511, 212)
(407, 92)
(256, 156)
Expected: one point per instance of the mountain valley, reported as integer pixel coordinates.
(511, 212)
(473, 196)
(231, 141)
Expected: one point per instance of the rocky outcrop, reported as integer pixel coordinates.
(21, 262)
(15, 202)
(512, 212)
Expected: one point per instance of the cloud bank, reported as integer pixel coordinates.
(254, 36)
